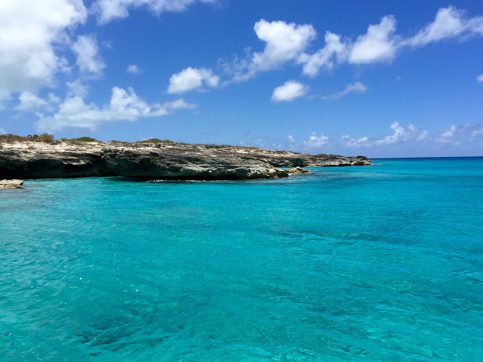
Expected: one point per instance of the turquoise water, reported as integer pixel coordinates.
(365, 263)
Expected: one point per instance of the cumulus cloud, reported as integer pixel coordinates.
(480, 78)
(29, 101)
(2, 131)
(356, 87)
(77, 88)
(87, 51)
(192, 78)
(399, 134)
(333, 51)
(134, 69)
(448, 23)
(349, 141)
(30, 31)
(452, 136)
(377, 45)
(289, 91)
(463, 134)
(316, 141)
(381, 43)
(284, 42)
(448, 134)
(108, 10)
(125, 105)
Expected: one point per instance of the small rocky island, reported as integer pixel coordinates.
(43, 157)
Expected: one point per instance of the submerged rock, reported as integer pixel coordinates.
(170, 161)
(11, 184)
(297, 170)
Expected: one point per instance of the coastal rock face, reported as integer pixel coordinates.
(154, 161)
(190, 162)
(44, 160)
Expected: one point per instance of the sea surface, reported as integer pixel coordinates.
(381, 263)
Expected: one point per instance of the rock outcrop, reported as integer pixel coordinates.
(296, 170)
(154, 161)
(11, 184)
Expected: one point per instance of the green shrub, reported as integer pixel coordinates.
(48, 138)
(79, 140)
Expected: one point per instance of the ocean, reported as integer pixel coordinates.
(345, 264)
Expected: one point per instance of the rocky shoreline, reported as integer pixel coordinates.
(155, 160)
(11, 184)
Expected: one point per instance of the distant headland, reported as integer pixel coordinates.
(43, 156)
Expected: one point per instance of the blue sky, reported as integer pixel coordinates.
(379, 78)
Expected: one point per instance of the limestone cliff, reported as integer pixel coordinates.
(25, 159)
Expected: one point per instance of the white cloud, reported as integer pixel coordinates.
(349, 141)
(125, 105)
(448, 23)
(289, 42)
(333, 51)
(77, 88)
(316, 141)
(400, 134)
(463, 134)
(2, 131)
(454, 135)
(192, 78)
(381, 43)
(377, 45)
(289, 91)
(29, 101)
(291, 139)
(448, 135)
(284, 42)
(480, 78)
(87, 51)
(356, 87)
(108, 10)
(29, 32)
(134, 69)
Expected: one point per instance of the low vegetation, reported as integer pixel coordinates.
(47, 138)
(80, 139)
(157, 140)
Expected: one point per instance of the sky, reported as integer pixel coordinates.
(381, 78)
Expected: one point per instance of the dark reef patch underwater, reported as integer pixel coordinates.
(359, 263)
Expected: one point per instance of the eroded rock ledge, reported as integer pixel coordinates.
(154, 161)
